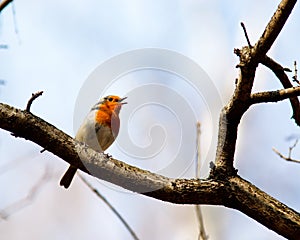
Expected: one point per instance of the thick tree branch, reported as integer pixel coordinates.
(273, 28)
(233, 192)
(260, 206)
(31, 127)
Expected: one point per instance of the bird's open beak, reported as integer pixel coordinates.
(122, 99)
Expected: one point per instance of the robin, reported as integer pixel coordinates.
(99, 129)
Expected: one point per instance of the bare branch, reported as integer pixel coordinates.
(202, 233)
(246, 35)
(4, 3)
(232, 192)
(33, 97)
(102, 166)
(99, 195)
(241, 100)
(279, 71)
(284, 157)
(273, 28)
(275, 96)
(289, 157)
(295, 77)
(259, 211)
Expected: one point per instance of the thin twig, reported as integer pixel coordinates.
(29, 103)
(110, 206)
(27, 200)
(246, 35)
(202, 234)
(33, 97)
(295, 77)
(289, 157)
(4, 3)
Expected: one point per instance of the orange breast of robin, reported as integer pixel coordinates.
(108, 117)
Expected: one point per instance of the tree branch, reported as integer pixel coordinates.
(232, 113)
(100, 165)
(284, 157)
(279, 71)
(246, 35)
(233, 192)
(111, 207)
(289, 157)
(4, 3)
(275, 96)
(273, 28)
(33, 97)
(202, 233)
(260, 206)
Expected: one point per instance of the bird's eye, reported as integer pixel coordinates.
(110, 99)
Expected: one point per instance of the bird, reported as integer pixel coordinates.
(98, 130)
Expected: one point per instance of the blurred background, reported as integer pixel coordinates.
(55, 46)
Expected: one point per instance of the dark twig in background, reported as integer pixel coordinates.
(99, 195)
(202, 233)
(233, 192)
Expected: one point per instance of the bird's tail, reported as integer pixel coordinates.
(68, 176)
